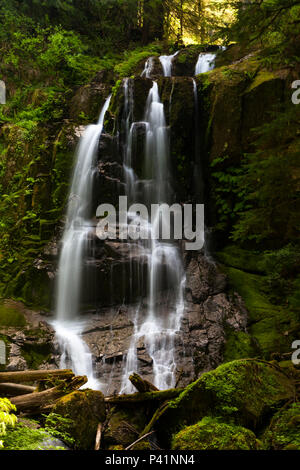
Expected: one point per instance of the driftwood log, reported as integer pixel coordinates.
(161, 395)
(141, 384)
(35, 375)
(37, 401)
(13, 390)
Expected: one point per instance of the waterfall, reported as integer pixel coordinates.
(158, 326)
(75, 241)
(205, 62)
(148, 68)
(166, 62)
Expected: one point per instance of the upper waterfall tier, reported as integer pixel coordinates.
(186, 62)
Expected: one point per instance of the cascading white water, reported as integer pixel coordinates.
(74, 245)
(148, 68)
(166, 62)
(159, 326)
(205, 62)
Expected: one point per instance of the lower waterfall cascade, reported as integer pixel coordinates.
(74, 245)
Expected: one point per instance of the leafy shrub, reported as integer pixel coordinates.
(6, 417)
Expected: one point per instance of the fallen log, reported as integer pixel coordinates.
(37, 401)
(26, 376)
(13, 390)
(161, 395)
(142, 385)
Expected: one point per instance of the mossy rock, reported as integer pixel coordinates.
(4, 351)
(211, 434)
(271, 325)
(236, 257)
(243, 392)
(36, 354)
(284, 430)
(85, 409)
(239, 345)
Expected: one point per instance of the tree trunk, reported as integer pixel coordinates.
(13, 390)
(142, 385)
(34, 375)
(148, 396)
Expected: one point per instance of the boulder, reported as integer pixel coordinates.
(85, 409)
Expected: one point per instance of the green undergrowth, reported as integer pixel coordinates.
(29, 436)
(284, 430)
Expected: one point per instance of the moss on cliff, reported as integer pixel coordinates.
(85, 410)
(284, 430)
(10, 317)
(273, 322)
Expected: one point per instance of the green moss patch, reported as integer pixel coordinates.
(85, 410)
(284, 430)
(210, 434)
(239, 345)
(11, 317)
(268, 323)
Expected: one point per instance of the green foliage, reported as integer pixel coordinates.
(133, 58)
(59, 427)
(7, 419)
(24, 437)
(258, 199)
(239, 345)
(282, 266)
(273, 24)
(229, 195)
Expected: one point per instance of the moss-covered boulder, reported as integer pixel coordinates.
(284, 430)
(85, 409)
(211, 434)
(244, 392)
